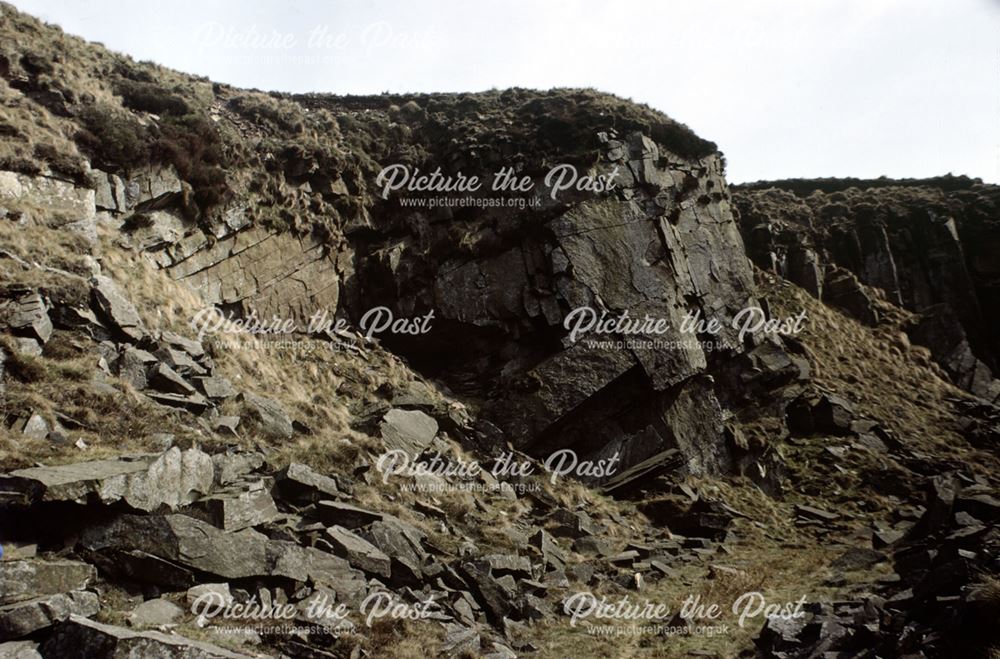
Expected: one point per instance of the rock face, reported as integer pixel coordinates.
(922, 243)
(661, 244)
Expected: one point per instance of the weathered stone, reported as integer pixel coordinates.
(198, 545)
(181, 362)
(82, 638)
(109, 191)
(552, 554)
(155, 613)
(19, 650)
(490, 594)
(27, 315)
(833, 415)
(32, 578)
(508, 564)
(192, 347)
(941, 494)
(216, 388)
(195, 402)
(163, 378)
(402, 543)
(573, 524)
(408, 430)
(816, 514)
(24, 345)
(235, 509)
(226, 425)
(151, 184)
(289, 275)
(22, 618)
(115, 309)
(144, 482)
(299, 483)
(359, 552)
(214, 593)
(274, 421)
(34, 426)
(843, 290)
(134, 366)
(940, 329)
(346, 515)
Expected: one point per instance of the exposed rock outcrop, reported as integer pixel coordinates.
(922, 243)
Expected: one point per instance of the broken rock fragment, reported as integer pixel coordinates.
(146, 482)
(80, 638)
(32, 578)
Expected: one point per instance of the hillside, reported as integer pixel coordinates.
(260, 396)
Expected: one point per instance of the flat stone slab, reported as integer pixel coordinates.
(192, 543)
(407, 430)
(299, 483)
(237, 509)
(80, 637)
(144, 482)
(31, 578)
(359, 552)
(22, 618)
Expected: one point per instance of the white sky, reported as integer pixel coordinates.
(785, 87)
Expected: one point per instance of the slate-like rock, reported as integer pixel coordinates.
(359, 552)
(80, 638)
(215, 387)
(491, 595)
(408, 430)
(115, 309)
(155, 613)
(147, 482)
(345, 514)
(274, 420)
(299, 483)
(27, 315)
(195, 544)
(31, 578)
(208, 592)
(24, 617)
(236, 508)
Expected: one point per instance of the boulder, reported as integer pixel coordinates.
(155, 613)
(165, 379)
(197, 545)
(299, 483)
(833, 415)
(145, 482)
(495, 599)
(115, 309)
(24, 617)
(32, 578)
(274, 421)
(27, 315)
(402, 542)
(236, 508)
(359, 552)
(19, 650)
(208, 592)
(215, 388)
(80, 638)
(408, 430)
(842, 289)
(345, 514)
(134, 365)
